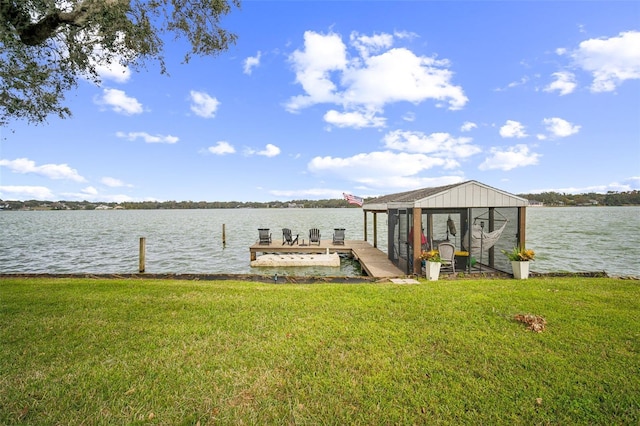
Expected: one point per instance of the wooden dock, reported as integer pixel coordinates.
(373, 261)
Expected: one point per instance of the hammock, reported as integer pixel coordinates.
(451, 226)
(479, 237)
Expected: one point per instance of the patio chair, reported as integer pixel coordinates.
(338, 236)
(448, 255)
(314, 236)
(264, 235)
(287, 238)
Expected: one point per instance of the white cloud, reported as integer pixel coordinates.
(51, 171)
(467, 126)
(89, 190)
(611, 61)
(203, 105)
(322, 55)
(367, 45)
(91, 194)
(119, 102)
(109, 69)
(560, 128)
(564, 83)
(372, 77)
(408, 155)
(308, 193)
(251, 62)
(633, 183)
(114, 72)
(399, 75)
(108, 65)
(148, 138)
(405, 35)
(114, 183)
(524, 80)
(354, 119)
(270, 150)
(22, 193)
(513, 129)
(409, 116)
(221, 148)
(378, 169)
(510, 158)
(436, 144)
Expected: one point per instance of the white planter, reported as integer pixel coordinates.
(432, 270)
(520, 270)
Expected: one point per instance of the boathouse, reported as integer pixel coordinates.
(479, 220)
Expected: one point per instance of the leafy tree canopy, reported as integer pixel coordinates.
(46, 45)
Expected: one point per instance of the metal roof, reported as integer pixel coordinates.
(460, 195)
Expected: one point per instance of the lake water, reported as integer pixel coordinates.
(572, 239)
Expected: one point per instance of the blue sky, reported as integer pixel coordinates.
(364, 97)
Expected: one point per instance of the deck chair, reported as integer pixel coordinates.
(314, 236)
(264, 235)
(287, 238)
(447, 254)
(338, 236)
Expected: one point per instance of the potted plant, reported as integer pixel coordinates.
(520, 258)
(432, 264)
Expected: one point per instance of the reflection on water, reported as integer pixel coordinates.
(190, 241)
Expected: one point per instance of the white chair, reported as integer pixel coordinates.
(448, 255)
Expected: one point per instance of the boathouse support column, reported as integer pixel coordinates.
(492, 227)
(522, 225)
(364, 212)
(430, 231)
(375, 230)
(416, 242)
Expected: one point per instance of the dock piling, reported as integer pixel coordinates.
(224, 236)
(143, 244)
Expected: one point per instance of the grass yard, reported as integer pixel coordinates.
(98, 352)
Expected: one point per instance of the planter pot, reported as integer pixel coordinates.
(520, 270)
(432, 271)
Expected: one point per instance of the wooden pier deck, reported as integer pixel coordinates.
(373, 261)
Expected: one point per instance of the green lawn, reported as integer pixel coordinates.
(83, 351)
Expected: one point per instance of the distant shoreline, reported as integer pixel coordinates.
(547, 199)
(101, 207)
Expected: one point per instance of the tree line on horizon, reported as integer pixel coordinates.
(610, 198)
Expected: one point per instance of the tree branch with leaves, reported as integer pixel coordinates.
(46, 45)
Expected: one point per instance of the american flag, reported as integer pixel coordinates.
(352, 199)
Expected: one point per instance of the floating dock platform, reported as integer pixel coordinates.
(374, 262)
(297, 259)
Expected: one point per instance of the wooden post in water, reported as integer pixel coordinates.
(224, 236)
(142, 254)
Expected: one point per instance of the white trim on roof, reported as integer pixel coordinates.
(471, 194)
(466, 195)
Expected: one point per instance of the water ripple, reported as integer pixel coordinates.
(572, 239)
